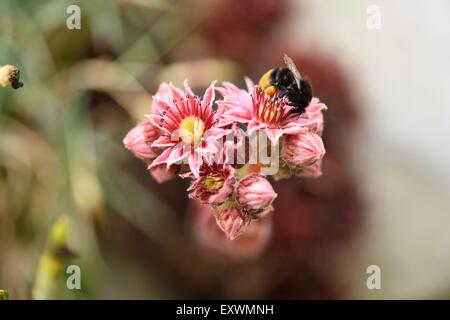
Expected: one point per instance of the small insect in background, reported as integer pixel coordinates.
(287, 82)
(10, 76)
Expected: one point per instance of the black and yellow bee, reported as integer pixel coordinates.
(287, 82)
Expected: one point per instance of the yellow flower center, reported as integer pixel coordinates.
(214, 182)
(269, 114)
(191, 130)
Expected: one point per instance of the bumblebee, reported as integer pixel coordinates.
(287, 82)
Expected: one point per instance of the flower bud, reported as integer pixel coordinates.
(255, 193)
(250, 245)
(232, 221)
(139, 141)
(314, 113)
(302, 150)
(312, 171)
(162, 174)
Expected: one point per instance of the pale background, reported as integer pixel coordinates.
(403, 156)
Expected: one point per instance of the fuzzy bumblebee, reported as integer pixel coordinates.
(10, 76)
(287, 82)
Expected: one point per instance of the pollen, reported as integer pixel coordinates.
(269, 114)
(271, 90)
(191, 130)
(267, 109)
(214, 182)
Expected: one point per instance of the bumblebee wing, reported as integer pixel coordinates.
(291, 66)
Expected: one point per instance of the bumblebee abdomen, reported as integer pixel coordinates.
(266, 83)
(265, 80)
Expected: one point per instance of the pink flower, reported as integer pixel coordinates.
(314, 113)
(259, 111)
(232, 221)
(187, 126)
(302, 150)
(255, 194)
(139, 141)
(232, 97)
(162, 94)
(214, 185)
(312, 171)
(251, 244)
(162, 173)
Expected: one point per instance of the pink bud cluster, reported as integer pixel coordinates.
(184, 133)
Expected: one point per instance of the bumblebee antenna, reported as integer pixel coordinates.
(291, 66)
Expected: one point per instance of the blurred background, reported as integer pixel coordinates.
(71, 194)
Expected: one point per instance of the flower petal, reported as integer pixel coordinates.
(195, 161)
(177, 154)
(161, 159)
(209, 95)
(250, 84)
(163, 141)
(162, 173)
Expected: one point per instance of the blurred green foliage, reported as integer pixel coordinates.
(4, 294)
(61, 136)
(51, 272)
